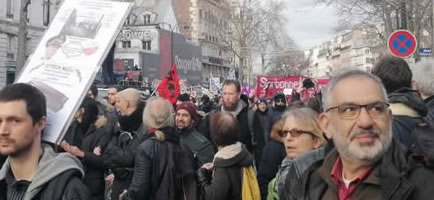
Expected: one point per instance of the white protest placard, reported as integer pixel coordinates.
(214, 85)
(231, 75)
(287, 91)
(69, 55)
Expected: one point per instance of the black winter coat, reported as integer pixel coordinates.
(94, 165)
(430, 106)
(273, 155)
(163, 170)
(119, 158)
(66, 186)
(402, 178)
(202, 149)
(408, 109)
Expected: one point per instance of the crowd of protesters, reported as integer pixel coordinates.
(364, 136)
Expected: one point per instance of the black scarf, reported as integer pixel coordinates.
(280, 108)
(263, 112)
(132, 122)
(170, 134)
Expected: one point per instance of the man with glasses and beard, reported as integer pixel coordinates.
(366, 163)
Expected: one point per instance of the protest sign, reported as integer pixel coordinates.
(268, 86)
(69, 55)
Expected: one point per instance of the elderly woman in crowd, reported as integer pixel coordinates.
(163, 168)
(301, 133)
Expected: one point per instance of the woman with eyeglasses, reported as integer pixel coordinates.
(301, 133)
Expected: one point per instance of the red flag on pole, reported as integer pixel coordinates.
(169, 87)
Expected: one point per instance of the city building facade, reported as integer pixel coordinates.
(40, 14)
(208, 23)
(358, 48)
(151, 42)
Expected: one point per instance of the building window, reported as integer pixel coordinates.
(368, 69)
(10, 46)
(126, 44)
(147, 19)
(367, 51)
(9, 9)
(128, 20)
(46, 12)
(10, 77)
(368, 61)
(146, 45)
(200, 14)
(28, 46)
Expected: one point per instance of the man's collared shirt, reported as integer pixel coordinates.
(345, 190)
(16, 189)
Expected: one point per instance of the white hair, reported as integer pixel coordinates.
(423, 74)
(326, 95)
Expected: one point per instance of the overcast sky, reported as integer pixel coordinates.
(310, 24)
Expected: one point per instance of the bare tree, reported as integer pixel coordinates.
(288, 63)
(256, 30)
(414, 15)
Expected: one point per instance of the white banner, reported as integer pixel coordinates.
(69, 55)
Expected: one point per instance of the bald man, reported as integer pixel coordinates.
(119, 154)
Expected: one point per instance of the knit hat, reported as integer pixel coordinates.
(261, 100)
(189, 107)
(280, 96)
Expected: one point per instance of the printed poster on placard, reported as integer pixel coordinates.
(69, 55)
(214, 85)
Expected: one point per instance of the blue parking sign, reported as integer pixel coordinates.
(425, 51)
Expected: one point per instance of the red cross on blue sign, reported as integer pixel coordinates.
(402, 43)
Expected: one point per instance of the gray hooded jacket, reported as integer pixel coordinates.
(51, 166)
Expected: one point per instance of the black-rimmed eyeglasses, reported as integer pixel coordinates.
(352, 111)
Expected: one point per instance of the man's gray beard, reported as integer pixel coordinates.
(356, 153)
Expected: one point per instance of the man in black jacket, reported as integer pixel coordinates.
(366, 163)
(32, 170)
(250, 133)
(423, 82)
(202, 149)
(120, 152)
(406, 104)
(279, 106)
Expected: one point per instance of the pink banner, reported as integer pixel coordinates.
(268, 86)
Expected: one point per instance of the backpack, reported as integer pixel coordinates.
(423, 135)
(250, 186)
(170, 173)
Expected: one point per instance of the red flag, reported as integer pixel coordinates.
(169, 86)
